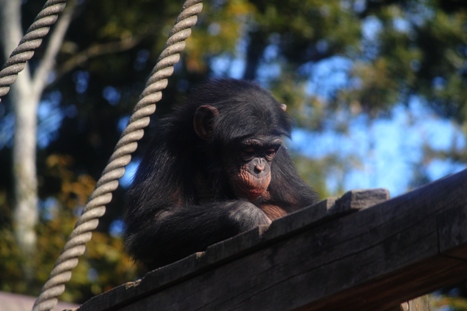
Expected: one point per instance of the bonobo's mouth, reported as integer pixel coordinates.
(255, 193)
(250, 187)
(250, 194)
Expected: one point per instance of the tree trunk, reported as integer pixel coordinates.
(25, 214)
(254, 54)
(24, 100)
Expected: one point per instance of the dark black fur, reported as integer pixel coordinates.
(181, 200)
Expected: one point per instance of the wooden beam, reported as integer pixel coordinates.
(325, 257)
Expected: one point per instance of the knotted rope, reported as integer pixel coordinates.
(108, 182)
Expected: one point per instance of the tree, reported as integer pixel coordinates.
(25, 97)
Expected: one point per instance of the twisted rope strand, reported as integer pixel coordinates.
(115, 169)
(30, 42)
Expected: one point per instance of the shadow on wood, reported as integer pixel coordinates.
(359, 252)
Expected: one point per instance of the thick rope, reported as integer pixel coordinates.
(115, 169)
(31, 41)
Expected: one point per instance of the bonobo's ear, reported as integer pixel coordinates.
(203, 121)
(284, 107)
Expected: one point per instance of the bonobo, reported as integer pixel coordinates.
(216, 167)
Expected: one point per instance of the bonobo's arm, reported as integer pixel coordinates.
(185, 230)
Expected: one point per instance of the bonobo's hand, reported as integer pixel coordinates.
(247, 215)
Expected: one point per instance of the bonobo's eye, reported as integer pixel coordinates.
(270, 153)
(248, 153)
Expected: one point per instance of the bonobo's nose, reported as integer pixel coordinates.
(259, 165)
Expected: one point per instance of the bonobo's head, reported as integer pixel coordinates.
(247, 124)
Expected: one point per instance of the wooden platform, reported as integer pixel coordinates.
(358, 252)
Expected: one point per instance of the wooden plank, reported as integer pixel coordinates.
(359, 200)
(371, 260)
(452, 227)
(228, 250)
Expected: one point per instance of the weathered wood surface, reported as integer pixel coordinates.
(320, 258)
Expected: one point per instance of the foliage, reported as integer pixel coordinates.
(105, 253)
(455, 303)
(380, 54)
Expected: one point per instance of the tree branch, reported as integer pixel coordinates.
(10, 25)
(11, 34)
(98, 50)
(53, 47)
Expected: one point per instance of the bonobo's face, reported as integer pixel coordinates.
(247, 158)
(249, 165)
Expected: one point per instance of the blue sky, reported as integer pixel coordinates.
(388, 149)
